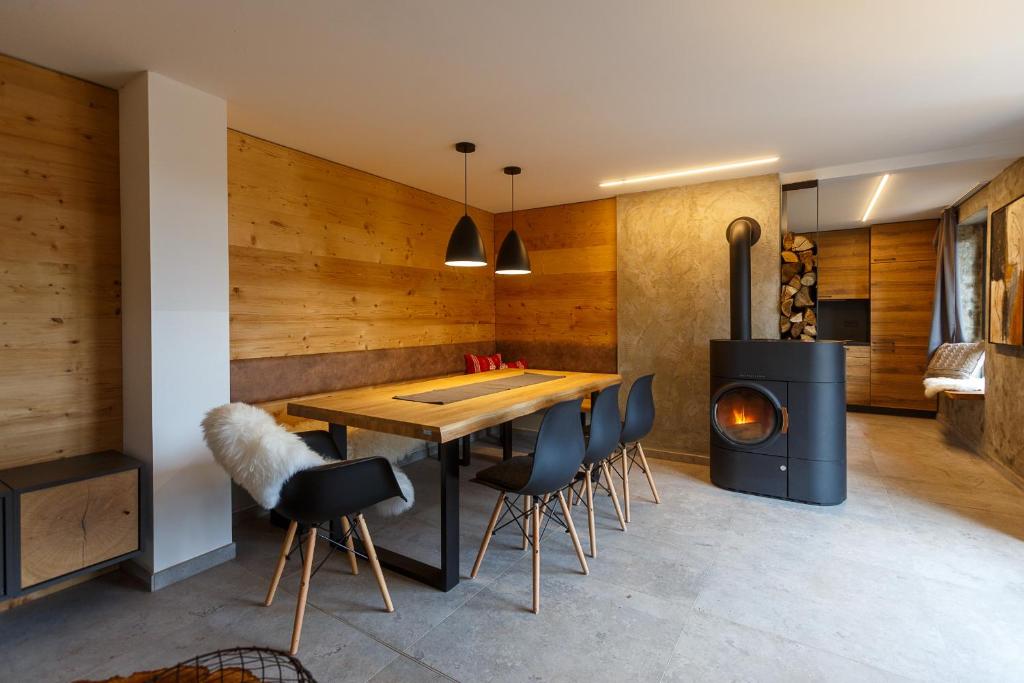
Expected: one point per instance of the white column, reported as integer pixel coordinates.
(174, 258)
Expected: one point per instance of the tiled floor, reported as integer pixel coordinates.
(919, 575)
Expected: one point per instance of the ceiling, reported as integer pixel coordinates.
(910, 194)
(575, 91)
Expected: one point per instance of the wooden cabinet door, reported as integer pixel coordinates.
(906, 241)
(902, 289)
(901, 302)
(65, 528)
(844, 264)
(858, 375)
(896, 375)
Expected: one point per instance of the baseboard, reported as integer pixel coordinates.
(677, 456)
(901, 412)
(1010, 474)
(179, 572)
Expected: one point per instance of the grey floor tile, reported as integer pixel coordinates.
(587, 630)
(408, 670)
(920, 574)
(858, 610)
(714, 649)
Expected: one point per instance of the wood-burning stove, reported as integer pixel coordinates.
(778, 407)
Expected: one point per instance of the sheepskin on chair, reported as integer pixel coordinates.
(261, 455)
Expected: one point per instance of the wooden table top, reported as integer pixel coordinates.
(377, 409)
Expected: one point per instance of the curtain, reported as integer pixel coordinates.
(947, 316)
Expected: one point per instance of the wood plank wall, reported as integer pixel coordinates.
(337, 277)
(60, 266)
(563, 315)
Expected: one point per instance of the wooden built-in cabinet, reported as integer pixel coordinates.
(902, 290)
(66, 517)
(893, 266)
(844, 268)
(858, 375)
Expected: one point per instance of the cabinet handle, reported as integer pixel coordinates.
(884, 260)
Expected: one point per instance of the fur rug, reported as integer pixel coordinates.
(261, 455)
(933, 386)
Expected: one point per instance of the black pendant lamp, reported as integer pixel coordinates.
(465, 247)
(512, 257)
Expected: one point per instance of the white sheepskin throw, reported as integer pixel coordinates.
(395, 506)
(933, 386)
(260, 455)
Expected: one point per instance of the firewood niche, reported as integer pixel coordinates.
(798, 318)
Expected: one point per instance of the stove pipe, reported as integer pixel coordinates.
(742, 234)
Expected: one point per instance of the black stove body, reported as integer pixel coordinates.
(778, 407)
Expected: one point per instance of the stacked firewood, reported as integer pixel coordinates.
(798, 319)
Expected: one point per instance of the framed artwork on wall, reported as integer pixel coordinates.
(1006, 275)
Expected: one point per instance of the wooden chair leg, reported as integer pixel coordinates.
(588, 487)
(487, 535)
(572, 534)
(535, 517)
(625, 479)
(288, 538)
(371, 554)
(527, 516)
(349, 545)
(607, 470)
(647, 471)
(300, 605)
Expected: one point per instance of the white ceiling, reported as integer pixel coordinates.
(910, 194)
(574, 91)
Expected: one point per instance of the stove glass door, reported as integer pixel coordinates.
(746, 416)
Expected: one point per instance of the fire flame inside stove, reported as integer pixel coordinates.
(740, 417)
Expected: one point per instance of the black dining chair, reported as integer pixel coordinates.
(316, 497)
(602, 443)
(537, 479)
(638, 423)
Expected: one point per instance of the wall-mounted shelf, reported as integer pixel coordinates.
(66, 517)
(964, 395)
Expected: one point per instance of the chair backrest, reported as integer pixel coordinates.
(340, 488)
(559, 449)
(605, 427)
(639, 410)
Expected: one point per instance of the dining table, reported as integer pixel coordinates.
(447, 411)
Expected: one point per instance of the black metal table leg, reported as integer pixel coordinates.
(506, 441)
(446, 576)
(449, 453)
(339, 434)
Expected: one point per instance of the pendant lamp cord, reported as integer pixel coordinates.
(513, 202)
(465, 183)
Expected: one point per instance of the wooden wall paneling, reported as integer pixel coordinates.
(858, 375)
(328, 259)
(60, 327)
(896, 375)
(562, 315)
(844, 264)
(901, 301)
(902, 291)
(68, 527)
(904, 241)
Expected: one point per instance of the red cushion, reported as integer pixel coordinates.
(519, 364)
(476, 363)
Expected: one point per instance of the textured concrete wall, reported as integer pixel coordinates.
(1004, 365)
(965, 419)
(1002, 432)
(673, 293)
